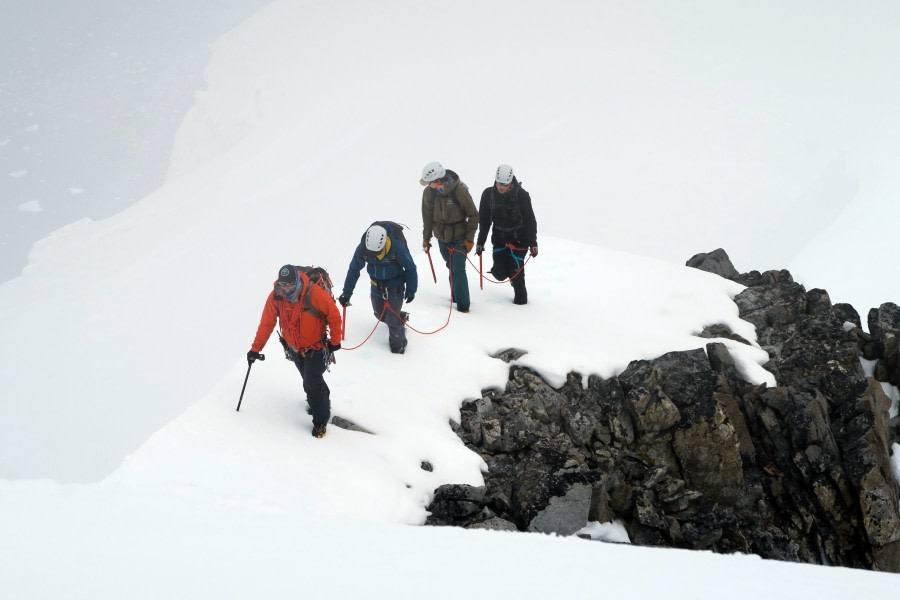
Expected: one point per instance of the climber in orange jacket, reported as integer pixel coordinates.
(310, 325)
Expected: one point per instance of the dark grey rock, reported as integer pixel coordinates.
(564, 515)
(884, 329)
(651, 412)
(348, 424)
(773, 305)
(495, 523)
(722, 331)
(755, 278)
(510, 354)
(715, 262)
(845, 313)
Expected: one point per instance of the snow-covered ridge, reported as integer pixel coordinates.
(638, 309)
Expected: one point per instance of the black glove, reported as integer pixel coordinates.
(333, 347)
(479, 249)
(410, 297)
(533, 251)
(344, 299)
(254, 356)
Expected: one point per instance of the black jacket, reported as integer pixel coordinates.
(511, 216)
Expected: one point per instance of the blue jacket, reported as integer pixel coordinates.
(395, 270)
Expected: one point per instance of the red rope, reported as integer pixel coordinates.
(416, 330)
(371, 333)
(515, 274)
(387, 307)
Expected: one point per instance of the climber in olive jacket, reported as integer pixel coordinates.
(449, 214)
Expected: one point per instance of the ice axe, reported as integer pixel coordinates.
(433, 274)
(249, 364)
(480, 270)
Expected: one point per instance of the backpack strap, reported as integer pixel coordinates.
(512, 212)
(307, 304)
(454, 196)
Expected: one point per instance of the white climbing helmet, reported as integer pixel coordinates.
(504, 175)
(376, 238)
(432, 171)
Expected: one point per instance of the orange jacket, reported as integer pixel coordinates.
(302, 330)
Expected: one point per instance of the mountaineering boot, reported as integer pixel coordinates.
(521, 294)
(318, 431)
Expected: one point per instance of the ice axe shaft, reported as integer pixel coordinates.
(249, 365)
(433, 274)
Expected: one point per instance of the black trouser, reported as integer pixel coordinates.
(312, 369)
(396, 328)
(506, 263)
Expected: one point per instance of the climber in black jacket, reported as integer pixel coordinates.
(507, 207)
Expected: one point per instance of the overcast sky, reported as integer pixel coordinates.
(662, 129)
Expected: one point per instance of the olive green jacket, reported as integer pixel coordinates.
(449, 216)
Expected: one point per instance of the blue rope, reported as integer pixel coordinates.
(518, 260)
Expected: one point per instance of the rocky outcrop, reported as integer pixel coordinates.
(882, 341)
(773, 302)
(687, 454)
(716, 262)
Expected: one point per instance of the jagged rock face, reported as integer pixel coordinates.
(687, 454)
(806, 341)
(884, 329)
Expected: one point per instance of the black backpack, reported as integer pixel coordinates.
(506, 213)
(320, 277)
